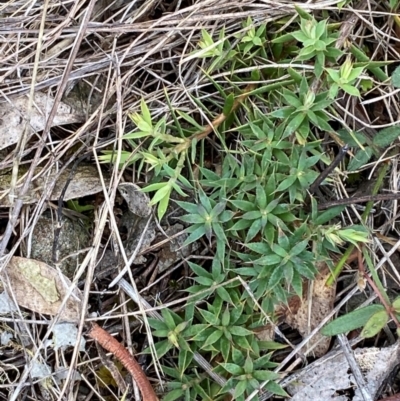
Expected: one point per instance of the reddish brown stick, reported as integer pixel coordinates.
(112, 345)
(395, 397)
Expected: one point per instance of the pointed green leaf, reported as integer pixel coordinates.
(396, 78)
(303, 14)
(243, 205)
(239, 331)
(396, 305)
(253, 230)
(283, 38)
(195, 235)
(255, 214)
(209, 317)
(351, 90)
(351, 321)
(263, 375)
(213, 338)
(275, 388)
(188, 207)
(200, 271)
(160, 194)
(190, 120)
(192, 219)
(232, 368)
(386, 136)
(163, 205)
(207, 282)
(241, 225)
(360, 158)
(375, 324)
(276, 277)
(329, 214)
(259, 247)
(174, 395)
(229, 101)
(294, 123)
(154, 187)
(285, 184)
(145, 112)
(136, 135)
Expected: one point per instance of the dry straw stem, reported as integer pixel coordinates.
(112, 345)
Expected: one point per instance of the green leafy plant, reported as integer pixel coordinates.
(371, 318)
(303, 110)
(248, 374)
(344, 79)
(206, 218)
(263, 214)
(190, 386)
(246, 180)
(222, 328)
(367, 148)
(254, 38)
(219, 51)
(317, 43)
(171, 327)
(208, 282)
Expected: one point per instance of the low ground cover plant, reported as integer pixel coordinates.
(244, 181)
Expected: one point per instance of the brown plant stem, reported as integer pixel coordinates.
(388, 307)
(395, 397)
(358, 199)
(119, 351)
(207, 129)
(222, 117)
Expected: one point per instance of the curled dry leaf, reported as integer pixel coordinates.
(85, 181)
(306, 314)
(13, 115)
(41, 288)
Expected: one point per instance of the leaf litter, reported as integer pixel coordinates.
(41, 288)
(13, 116)
(324, 379)
(306, 314)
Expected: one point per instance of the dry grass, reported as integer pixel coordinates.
(111, 55)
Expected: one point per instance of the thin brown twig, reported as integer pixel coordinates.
(388, 307)
(222, 117)
(395, 397)
(112, 345)
(359, 199)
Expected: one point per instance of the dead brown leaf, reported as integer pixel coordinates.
(85, 181)
(138, 202)
(13, 115)
(41, 288)
(305, 317)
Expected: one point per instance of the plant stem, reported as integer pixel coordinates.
(342, 261)
(381, 295)
(222, 117)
